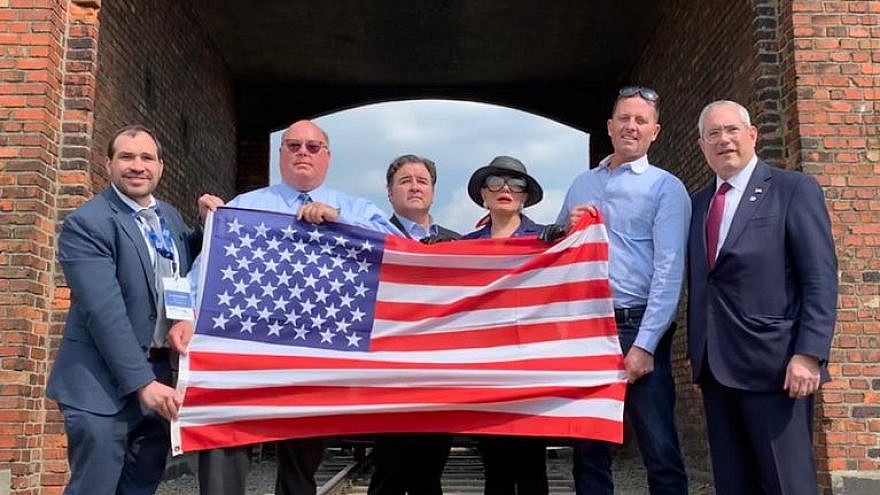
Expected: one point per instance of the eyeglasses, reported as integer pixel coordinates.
(496, 183)
(312, 147)
(712, 136)
(646, 93)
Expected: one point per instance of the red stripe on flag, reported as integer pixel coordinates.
(456, 422)
(346, 396)
(501, 336)
(512, 246)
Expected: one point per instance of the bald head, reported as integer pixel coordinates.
(304, 156)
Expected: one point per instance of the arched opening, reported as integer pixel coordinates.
(459, 136)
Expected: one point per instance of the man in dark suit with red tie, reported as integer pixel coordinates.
(761, 309)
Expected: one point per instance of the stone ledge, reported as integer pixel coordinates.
(855, 482)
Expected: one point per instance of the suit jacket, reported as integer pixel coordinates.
(773, 290)
(441, 231)
(102, 360)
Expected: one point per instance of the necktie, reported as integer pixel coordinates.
(713, 223)
(304, 199)
(162, 267)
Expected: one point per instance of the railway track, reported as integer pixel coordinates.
(463, 475)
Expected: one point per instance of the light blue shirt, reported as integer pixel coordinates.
(416, 231)
(647, 213)
(281, 198)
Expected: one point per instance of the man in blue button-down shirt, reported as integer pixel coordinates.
(647, 212)
(304, 162)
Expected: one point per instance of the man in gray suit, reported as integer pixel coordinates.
(112, 375)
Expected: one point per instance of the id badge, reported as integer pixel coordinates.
(178, 302)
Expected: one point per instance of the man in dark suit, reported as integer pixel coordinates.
(112, 375)
(406, 463)
(761, 312)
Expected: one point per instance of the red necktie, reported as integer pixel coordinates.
(713, 223)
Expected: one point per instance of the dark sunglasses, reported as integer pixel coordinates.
(646, 93)
(311, 146)
(496, 183)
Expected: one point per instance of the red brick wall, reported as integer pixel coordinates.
(155, 67)
(190, 106)
(253, 159)
(32, 39)
(832, 92)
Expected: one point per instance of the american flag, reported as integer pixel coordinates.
(329, 330)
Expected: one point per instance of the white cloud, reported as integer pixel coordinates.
(460, 214)
(547, 210)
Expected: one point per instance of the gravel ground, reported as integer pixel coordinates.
(629, 478)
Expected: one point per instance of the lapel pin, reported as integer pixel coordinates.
(753, 198)
(758, 190)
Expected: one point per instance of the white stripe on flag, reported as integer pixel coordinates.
(494, 318)
(590, 346)
(550, 407)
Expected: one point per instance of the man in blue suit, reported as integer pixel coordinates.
(112, 375)
(761, 312)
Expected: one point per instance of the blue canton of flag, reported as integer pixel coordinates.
(271, 278)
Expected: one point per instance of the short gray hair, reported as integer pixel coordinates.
(743, 113)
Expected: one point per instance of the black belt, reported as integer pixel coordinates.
(158, 353)
(621, 315)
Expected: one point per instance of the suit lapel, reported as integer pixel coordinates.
(701, 209)
(397, 223)
(123, 216)
(760, 180)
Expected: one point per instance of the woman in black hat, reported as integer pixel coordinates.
(504, 188)
(512, 464)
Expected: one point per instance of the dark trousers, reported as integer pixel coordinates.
(650, 409)
(760, 442)
(298, 461)
(514, 465)
(409, 464)
(224, 471)
(122, 453)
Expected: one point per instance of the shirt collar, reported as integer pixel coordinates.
(638, 166)
(741, 180)
(135, 207)
(413, 228)
(291, 195)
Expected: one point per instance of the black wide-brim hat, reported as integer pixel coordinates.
(509, 166)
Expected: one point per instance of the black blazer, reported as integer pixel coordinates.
(773, 290)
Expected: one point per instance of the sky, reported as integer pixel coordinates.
(459, 137)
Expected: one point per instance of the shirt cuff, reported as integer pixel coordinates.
(647, 340)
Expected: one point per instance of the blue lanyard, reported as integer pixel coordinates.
(164, 245)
